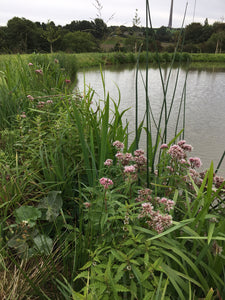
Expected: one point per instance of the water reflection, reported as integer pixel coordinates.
(205, 102)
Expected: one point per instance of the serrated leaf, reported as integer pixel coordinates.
(83, 274)
(121, 288)
(146, 259)
(119, 255)
(87, 265)
(120, 272)
(133, 289)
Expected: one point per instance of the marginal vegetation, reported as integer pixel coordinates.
(85, 213)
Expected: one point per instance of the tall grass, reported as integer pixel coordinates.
(82, 214)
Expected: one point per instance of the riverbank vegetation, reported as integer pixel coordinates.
(85, 213)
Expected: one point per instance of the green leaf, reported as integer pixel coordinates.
(210, 232)
(210, 294)
(83, 274)
(86, 266)
(27, 214)
(53, 204)
(43, 244)
(121, 288)
(119, 255)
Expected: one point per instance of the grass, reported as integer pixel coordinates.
(82, 216)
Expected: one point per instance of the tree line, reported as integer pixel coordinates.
(24, 36)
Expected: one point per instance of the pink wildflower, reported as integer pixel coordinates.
(23, 115)
(177, 152)
(169, 204)
(105, 182)
(119, 156)
(140, 160)
(108, 162)
(218, 181)
(49, 102)
(195, 162)
(139, 152)
(187, 147)
(164, 146)
(30, 64)
(129, 169)
(87, 204)
(67, 81)
(39, 72)
(171, 169)
(144, 195)
(182, 142)
(30, 97)
(119, 145)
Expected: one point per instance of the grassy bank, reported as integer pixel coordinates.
(82, 214)
(94, 59)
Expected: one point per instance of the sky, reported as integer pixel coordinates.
(113, 12)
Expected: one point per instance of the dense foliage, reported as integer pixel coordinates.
(82, 214)
(24, 36)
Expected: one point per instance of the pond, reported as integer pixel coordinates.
(205, 102)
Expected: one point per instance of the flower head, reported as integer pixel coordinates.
(195, 162)
(108, 162)
(119, 145)
(129, 169)
(105, 182)
(23, 115)
(177, 152)
(164, 146)
(87, 204)
(30, 64)
(39, 72)
(30, 97)
(67, 81)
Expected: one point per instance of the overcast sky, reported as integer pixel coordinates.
(64, 11)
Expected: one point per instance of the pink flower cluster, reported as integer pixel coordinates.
(155, 220)
(39, 71)
(125, 159)
(23, 115)
(30, 97)
(195, 162)
(108, 162)
(129, 169)
(152, 208)
(144, 195)
(218, 181)
(42, 103)
(168, 204)
(119, 145)
(105, 182)
(176, 152)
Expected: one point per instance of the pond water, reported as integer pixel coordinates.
(205, 102)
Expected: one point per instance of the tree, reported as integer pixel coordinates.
(79, 41)
(99, 28)
(21, 35)
(193, 33)
(51, 34)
